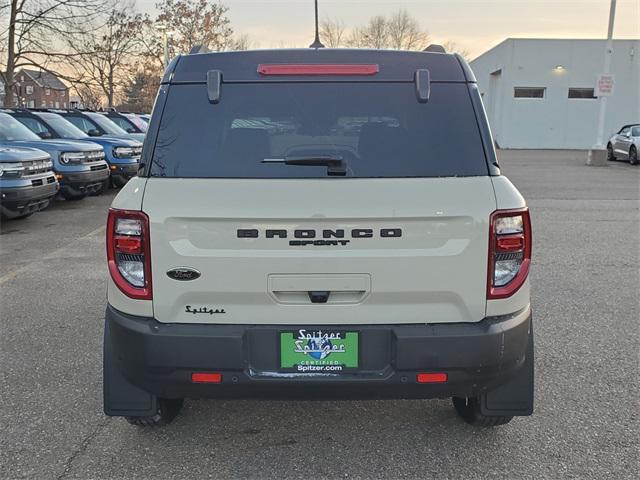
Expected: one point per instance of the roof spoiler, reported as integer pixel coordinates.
(435, 48)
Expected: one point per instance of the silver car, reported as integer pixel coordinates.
(624, 145)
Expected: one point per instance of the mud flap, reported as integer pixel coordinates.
(121, 398)
(514, 398)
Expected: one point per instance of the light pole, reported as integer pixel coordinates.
(597, 156)
(165, 42)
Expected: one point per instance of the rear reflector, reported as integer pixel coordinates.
(431, 377)
(206, 377)
(317, 69)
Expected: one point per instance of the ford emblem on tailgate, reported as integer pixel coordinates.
(183, 273)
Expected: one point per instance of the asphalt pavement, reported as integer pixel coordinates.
(586, 294)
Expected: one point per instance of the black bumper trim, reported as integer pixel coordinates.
(83, 182)
(158, 358)
(20, 201)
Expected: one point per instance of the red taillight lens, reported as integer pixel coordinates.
(438, 377)
(129, 253)
(128, 244)
(205, 377)
(509, 252)
(510, 243)
(317, 69)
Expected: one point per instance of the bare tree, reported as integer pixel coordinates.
(106, 53)
(34, 31)
(404, 32)
(373, 35)
(242, 42)
(197, 22)
(187, 24)
(399, 31)
(452, 47)
(332, 32)
(89, 96)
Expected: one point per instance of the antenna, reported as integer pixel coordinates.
(317, 43)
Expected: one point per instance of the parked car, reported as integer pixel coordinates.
(79, 166)
(145, 117)
(128, 122)
(142, 124)
(625, 144)
(319, 261)
(96, 125)
(27, 181)
(122, 154)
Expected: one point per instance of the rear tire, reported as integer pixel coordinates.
(469, 410)
(168, 409)
(610, 156)
(633, 156)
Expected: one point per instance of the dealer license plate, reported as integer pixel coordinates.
(318, 351)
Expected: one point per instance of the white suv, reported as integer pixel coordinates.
(319, 224)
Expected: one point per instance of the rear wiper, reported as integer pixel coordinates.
(336, 166)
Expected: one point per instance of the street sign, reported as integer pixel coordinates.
(605, 83)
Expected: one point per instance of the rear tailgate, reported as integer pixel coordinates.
(418, 253)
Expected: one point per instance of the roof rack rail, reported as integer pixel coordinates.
(435, 48)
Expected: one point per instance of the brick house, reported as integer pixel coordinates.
(40, 89)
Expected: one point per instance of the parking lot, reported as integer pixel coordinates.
(586, 298)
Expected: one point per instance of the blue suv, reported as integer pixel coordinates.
(96, 124)
(27, 183)
(79, 166)
(122, 154)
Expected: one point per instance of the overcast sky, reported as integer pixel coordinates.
(475, 25)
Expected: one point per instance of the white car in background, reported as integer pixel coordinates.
(624, 145)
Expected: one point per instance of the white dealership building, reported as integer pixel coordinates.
(539, 93)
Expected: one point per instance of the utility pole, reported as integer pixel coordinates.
(165, 42)
(597, 156)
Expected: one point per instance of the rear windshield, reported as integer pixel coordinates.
(375, 129)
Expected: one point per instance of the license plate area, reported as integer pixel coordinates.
(319, 351)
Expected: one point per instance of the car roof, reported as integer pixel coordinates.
(393, 65)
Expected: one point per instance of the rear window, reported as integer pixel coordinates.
(377, 129)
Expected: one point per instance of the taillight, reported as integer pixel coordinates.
(129, 253)
(509, 252)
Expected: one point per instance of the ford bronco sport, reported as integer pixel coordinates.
(318, 224)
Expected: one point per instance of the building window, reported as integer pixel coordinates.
(29, 89)
(581, 93)
(64, 104)
(57, 104)
(43, 103)
(31, 104)
(47, 91)
(528, 92)
(50, 104)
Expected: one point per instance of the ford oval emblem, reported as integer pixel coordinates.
(183, 273)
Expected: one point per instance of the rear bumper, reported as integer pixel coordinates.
(159, 359)
(18, 201)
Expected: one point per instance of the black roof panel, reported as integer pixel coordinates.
(242, 66)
